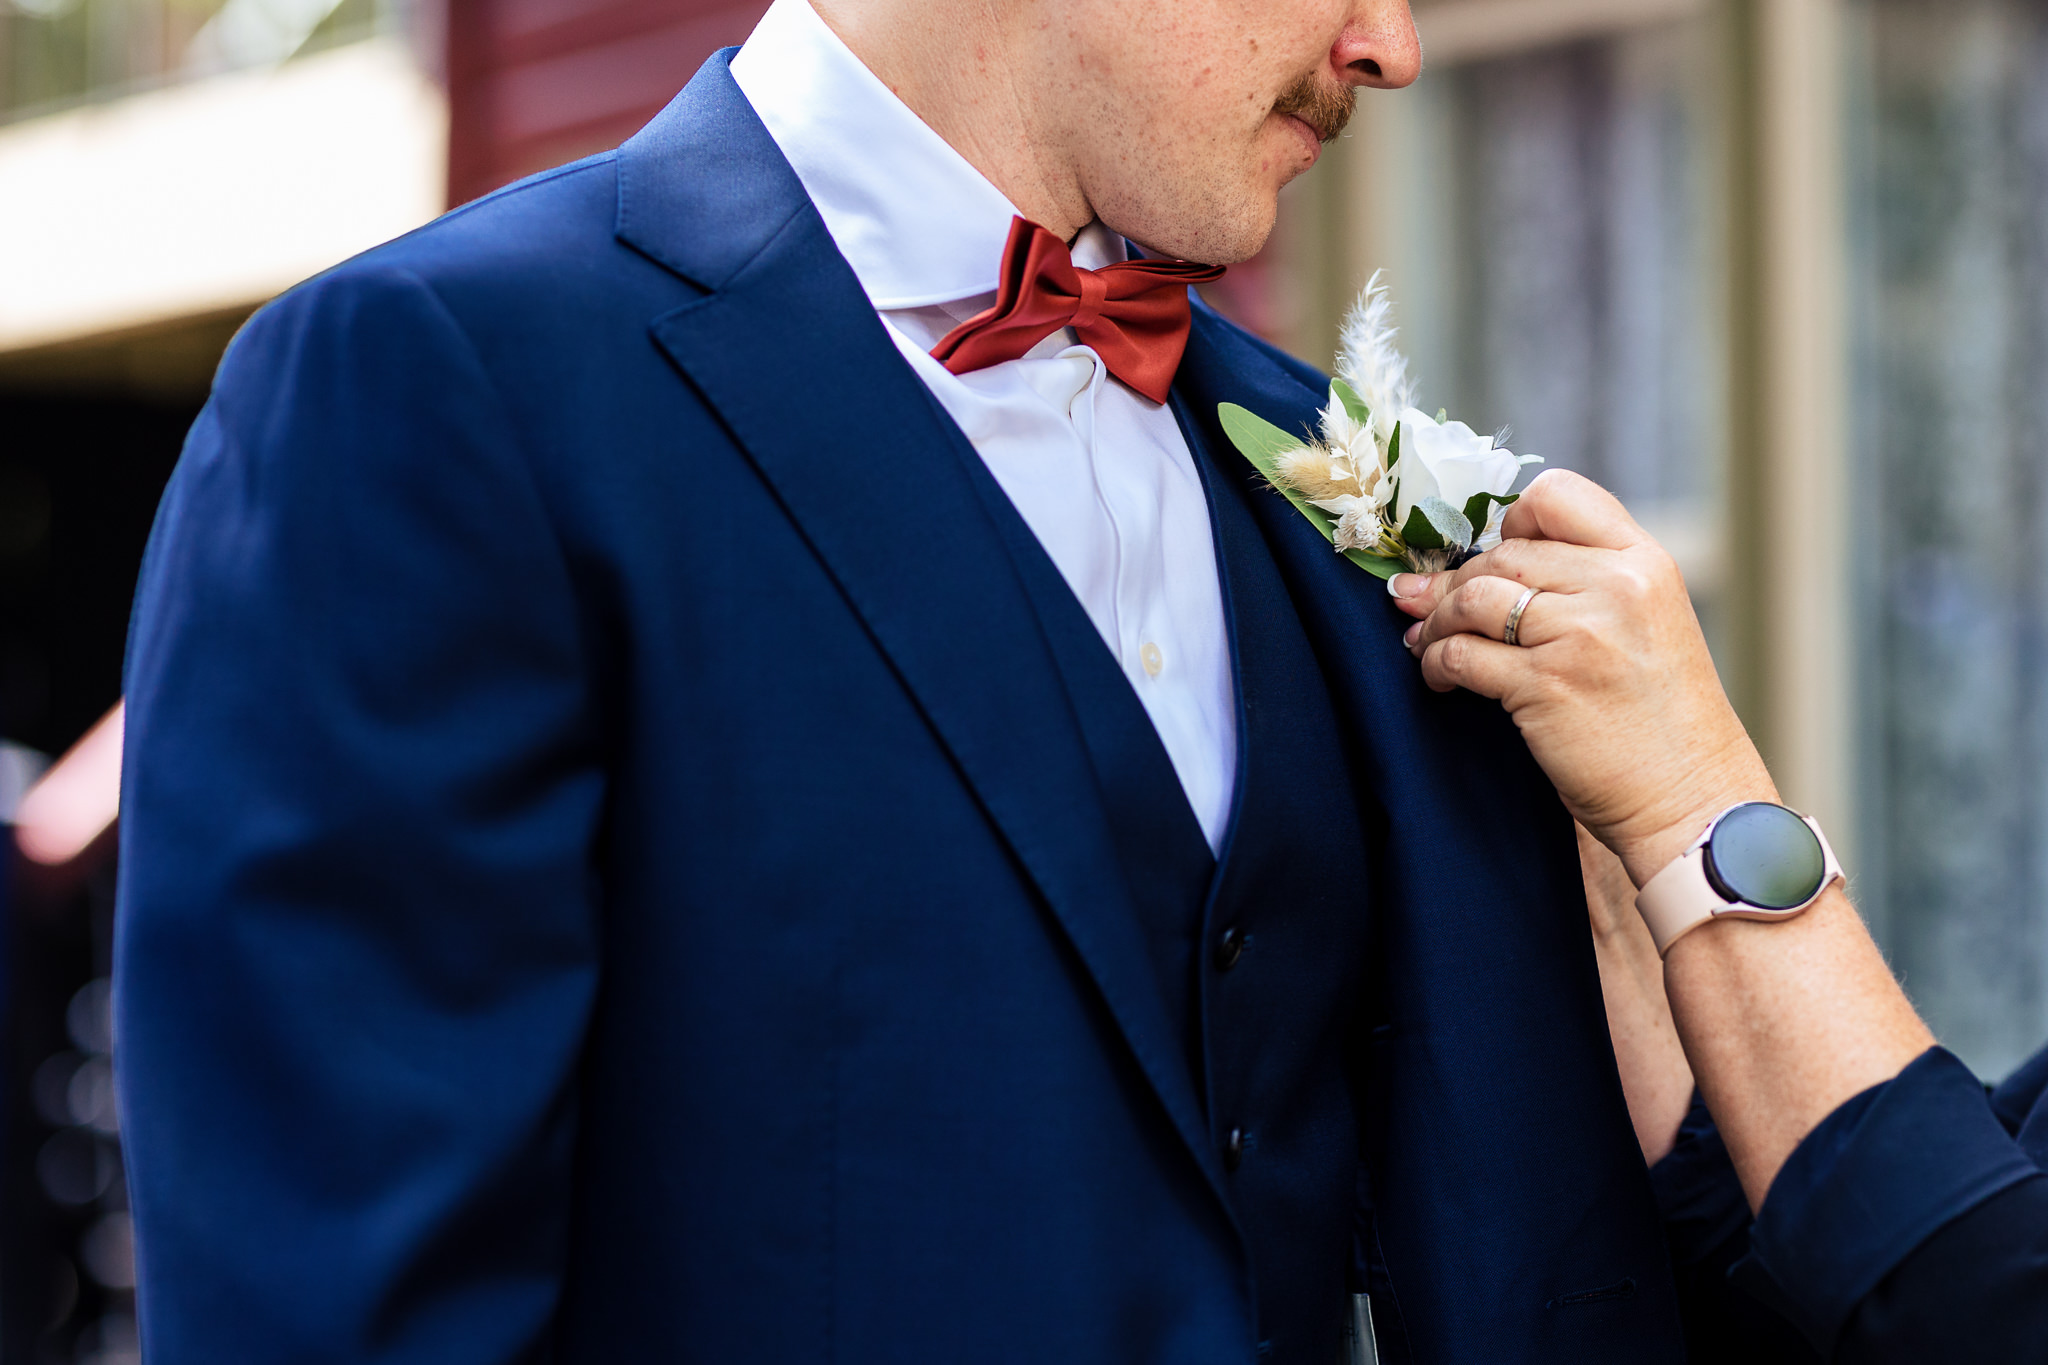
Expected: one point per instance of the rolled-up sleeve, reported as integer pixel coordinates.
(1909, 1225)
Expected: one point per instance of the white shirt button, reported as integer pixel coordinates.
(1152, 659)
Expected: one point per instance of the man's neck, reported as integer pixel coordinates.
(958, 69)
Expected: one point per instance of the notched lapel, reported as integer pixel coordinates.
(862, 462)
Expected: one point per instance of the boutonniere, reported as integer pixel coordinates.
(1391, 488)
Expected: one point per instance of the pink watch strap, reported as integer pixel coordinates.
(1679, 899)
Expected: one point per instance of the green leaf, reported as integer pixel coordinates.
(1394, 447)
(1255, 438)
(1418, 533)
(1454, 526)
(1263, 443)
(1375, 565)
(1353, 404)
(1476, 508)
(1434, 524)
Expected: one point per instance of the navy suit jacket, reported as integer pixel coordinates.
(610, 872)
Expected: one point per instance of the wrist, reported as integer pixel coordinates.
(1659, 836)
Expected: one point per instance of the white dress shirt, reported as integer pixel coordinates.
(1101, 475)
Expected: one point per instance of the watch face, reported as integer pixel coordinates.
(1765, 856)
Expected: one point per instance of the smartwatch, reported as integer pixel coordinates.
(1756, 861)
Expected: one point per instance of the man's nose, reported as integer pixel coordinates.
(1378, 46)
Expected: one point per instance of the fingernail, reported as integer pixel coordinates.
(1406, 585)
(1412, 633)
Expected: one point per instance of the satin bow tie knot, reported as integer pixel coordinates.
(1134, 314)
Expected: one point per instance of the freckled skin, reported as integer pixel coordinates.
(1085, 109)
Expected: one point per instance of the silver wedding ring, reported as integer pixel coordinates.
(1513, 634)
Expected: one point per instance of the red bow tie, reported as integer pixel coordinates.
(1134, 313)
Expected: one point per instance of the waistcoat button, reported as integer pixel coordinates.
(1229, 948)
(1233, 1149)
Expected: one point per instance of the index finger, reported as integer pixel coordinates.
(1561, 505)
(1552, 565)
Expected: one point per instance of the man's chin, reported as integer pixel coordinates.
(1225, 237)
(1238, 251)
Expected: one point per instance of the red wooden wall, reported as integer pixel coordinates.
(534, 83)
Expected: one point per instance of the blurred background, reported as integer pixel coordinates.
(1776, 271)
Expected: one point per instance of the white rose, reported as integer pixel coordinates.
(1448, 460)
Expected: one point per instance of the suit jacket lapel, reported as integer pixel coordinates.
(788, 350)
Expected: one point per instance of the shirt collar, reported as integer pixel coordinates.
(918, 224)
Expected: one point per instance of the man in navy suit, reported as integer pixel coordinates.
(726, 765)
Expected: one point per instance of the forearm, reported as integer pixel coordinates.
(1783, 1022)
(1655, 1077)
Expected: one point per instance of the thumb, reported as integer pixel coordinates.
(1563, 506)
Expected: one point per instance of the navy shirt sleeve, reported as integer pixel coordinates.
(1706, 1226)
(1976, 1291)
(1911, 1224)
(1873, 1183)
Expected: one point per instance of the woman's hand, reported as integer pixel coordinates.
(1612, 687)
(1611, 683)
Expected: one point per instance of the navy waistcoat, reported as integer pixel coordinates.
(1259, 952)
(1285, 928)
